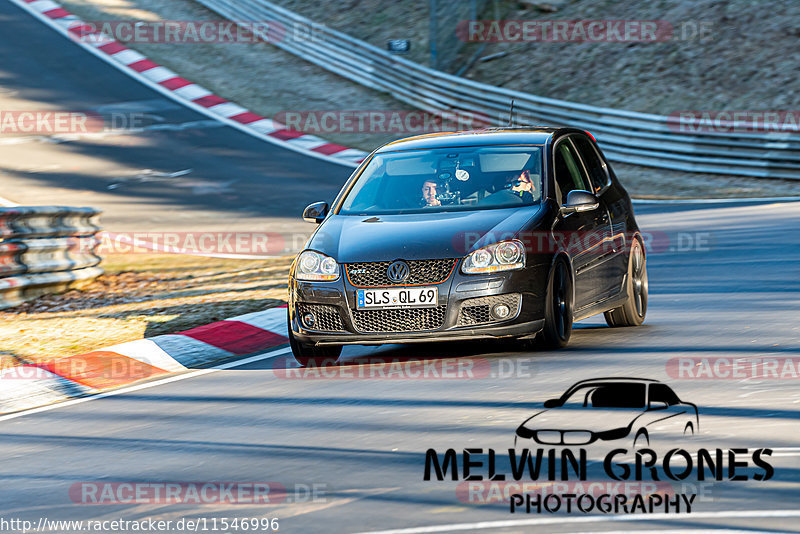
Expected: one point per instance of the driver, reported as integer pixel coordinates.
(429, 191)
(522, 186)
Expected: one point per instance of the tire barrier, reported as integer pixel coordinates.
(46, 249)
(625, 136)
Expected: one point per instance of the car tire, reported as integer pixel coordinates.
(310, 356)
(633, 312)
(558, 313)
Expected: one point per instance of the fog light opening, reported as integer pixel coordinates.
(309, 320)
(501, 311)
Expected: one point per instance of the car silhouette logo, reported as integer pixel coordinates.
(610, 409)
(398, 272)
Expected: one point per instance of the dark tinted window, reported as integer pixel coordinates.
(447, 179)
(662, 393)
(591, 159)
(609, 395)
(618, 396)
(569, 175)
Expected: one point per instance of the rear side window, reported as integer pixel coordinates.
(662, 393)
(569, 176)
(595, 166)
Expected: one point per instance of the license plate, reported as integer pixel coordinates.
(405, 297)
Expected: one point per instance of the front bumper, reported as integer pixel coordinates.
(454, 318)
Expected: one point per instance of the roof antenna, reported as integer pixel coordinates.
(511, 115)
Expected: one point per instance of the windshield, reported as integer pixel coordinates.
(608, 395)
(447, 179)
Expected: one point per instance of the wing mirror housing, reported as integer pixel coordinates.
(552, 403)
(658, 405)
(579, 201)
(316, 212)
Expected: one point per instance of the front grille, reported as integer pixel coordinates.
(479, 310)
(549, 437)
(373, 274)
(576, 437)
(399, 320)
(327, 318)
(564, 437)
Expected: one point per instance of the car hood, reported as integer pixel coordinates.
(590, 419)
(350, 238)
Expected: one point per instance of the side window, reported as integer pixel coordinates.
(595, 166)
(568, 172)
(662, 393)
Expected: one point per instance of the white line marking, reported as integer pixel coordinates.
(43, 5)
(227, 109)
(482, 525)
(158, 74)
(138, 387)
(192, 92)
(98, 39)
(127, 57)
(265, 125)
(683, 531)
(308, 141)
(713, 200)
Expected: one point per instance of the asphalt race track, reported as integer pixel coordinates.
(236, 182)
(363, 440)
(350, 449)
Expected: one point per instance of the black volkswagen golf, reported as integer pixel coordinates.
(500, 233)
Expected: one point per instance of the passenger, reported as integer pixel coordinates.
(522, 186)
(518, 188)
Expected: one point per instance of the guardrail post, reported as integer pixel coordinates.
(46, 250)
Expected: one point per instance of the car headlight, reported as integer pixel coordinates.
(314, 266)
(502, 256)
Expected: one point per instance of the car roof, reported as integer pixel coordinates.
(615, 379)
(518, 135)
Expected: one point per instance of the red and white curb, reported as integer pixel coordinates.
(182, 90)
(29, 386)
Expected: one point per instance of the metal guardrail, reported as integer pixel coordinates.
(625, 136)
(46, 250)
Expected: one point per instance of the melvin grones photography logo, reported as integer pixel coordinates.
(628, 426)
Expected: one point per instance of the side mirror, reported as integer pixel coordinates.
(580, 201)
(552, 403)
(316, 212)
(659, 405)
